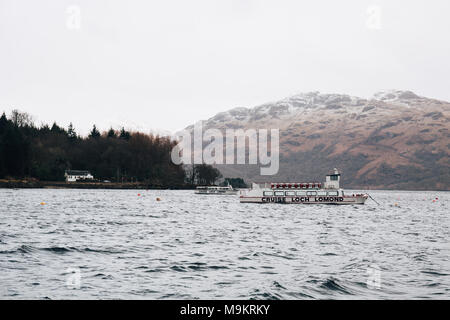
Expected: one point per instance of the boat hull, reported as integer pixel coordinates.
(360, 199)
(222, 193)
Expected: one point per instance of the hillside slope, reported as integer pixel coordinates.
(395, 140)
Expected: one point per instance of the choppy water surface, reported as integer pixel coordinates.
(125, 246)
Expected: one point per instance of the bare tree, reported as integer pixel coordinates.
(21, 119)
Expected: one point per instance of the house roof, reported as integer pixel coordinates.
(77, 172)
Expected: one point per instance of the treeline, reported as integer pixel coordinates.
(234, 182)
(202, 175)
(46, 152)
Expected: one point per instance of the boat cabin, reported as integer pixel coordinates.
(332, 180)
(77, 175)
(303, 193)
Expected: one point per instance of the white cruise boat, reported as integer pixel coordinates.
(213, 190)
(302, 193)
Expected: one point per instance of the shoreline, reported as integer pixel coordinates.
(36, 184)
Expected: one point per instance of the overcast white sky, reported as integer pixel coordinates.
(166, 64)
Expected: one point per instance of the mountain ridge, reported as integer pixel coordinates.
(396, 139)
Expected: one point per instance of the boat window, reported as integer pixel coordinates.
(332, 193)
(301, 193)
(290, 193)
(334, 178)
(268, 193)
(311, 193)
(321, 193)
(279, 193)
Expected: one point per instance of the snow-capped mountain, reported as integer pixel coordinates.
(396, 139)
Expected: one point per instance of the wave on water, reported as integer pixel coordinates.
(264, 295)
(213, 248)
(27, 249)
(21, 249)
(59, 250)
(334, 285)
(435, 273)
(197, 266)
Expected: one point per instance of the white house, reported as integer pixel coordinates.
(76, 175)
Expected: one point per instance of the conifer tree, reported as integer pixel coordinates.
(111, 133)
(94, 133)
(124, 134)
(71, 132)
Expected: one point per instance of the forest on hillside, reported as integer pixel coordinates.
(45, 153)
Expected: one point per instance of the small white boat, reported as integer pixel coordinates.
(302, 193)
(214, 190)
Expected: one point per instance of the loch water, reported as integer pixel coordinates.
(116, 244)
